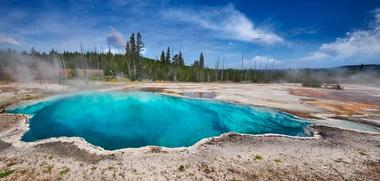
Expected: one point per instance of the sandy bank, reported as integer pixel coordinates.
(336, 154)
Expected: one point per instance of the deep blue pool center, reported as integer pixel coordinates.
(114, 120)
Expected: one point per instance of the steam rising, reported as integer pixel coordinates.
(26, 68)
(369, 75)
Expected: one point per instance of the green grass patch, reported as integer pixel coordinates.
(48, 169)
(259, 157)
(64, 171)
(6, 173)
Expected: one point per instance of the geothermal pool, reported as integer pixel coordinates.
(114, 120)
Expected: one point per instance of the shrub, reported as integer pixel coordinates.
(6, 173)
(311, 83)
(258, 157)
(64, 171)
(181, 168)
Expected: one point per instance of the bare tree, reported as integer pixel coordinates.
(222, 69)
(242, 66)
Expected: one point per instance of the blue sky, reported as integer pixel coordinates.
(294, 33)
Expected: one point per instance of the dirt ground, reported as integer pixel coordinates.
(346, 144)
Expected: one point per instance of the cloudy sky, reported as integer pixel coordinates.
(294, 33)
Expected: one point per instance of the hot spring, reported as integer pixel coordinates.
(114, 120)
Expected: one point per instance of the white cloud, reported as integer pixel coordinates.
(113, 50)
(359, 43)
(4, 39)
(228, 22)
(256, 62)
(262, 62)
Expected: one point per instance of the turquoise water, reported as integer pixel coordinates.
(116, 120)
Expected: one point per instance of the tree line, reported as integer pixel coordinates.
(93, 65)
(134, 66)
(172, 67)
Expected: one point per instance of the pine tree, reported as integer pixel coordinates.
(167, 56)
(139, 49)
(162, 58)
(180, 59)
(139, 44)
(201, 61)
(196, 63)
(175, 59)
(108, 69)
(133, 51)
(128, 59)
